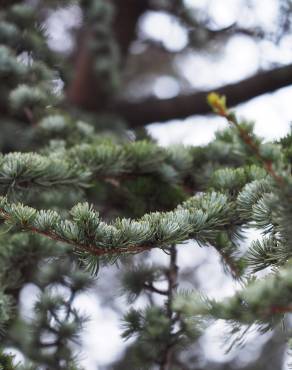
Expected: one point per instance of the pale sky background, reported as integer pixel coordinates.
(272, 114)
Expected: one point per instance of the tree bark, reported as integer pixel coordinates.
(127, 15)
(152, 110)
(85, 90)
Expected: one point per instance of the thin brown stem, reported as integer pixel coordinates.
(219, 106)
(230, 263)
(92, 249)
(248, 140)
(172, 275)
(29, 115)
(278, 309)
(153, 289)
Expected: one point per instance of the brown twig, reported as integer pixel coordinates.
(29, 115)
(150, 110)
(277, 309)
(218, 103)
(153, 289)
(92, 249)
(230, 263)
(172, 275)
(248, 140)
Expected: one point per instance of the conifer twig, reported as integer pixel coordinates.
(99, 252)
(218, 104)
(142, 234)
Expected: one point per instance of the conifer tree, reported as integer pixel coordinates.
(79, 193)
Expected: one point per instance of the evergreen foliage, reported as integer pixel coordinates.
(74, 196)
